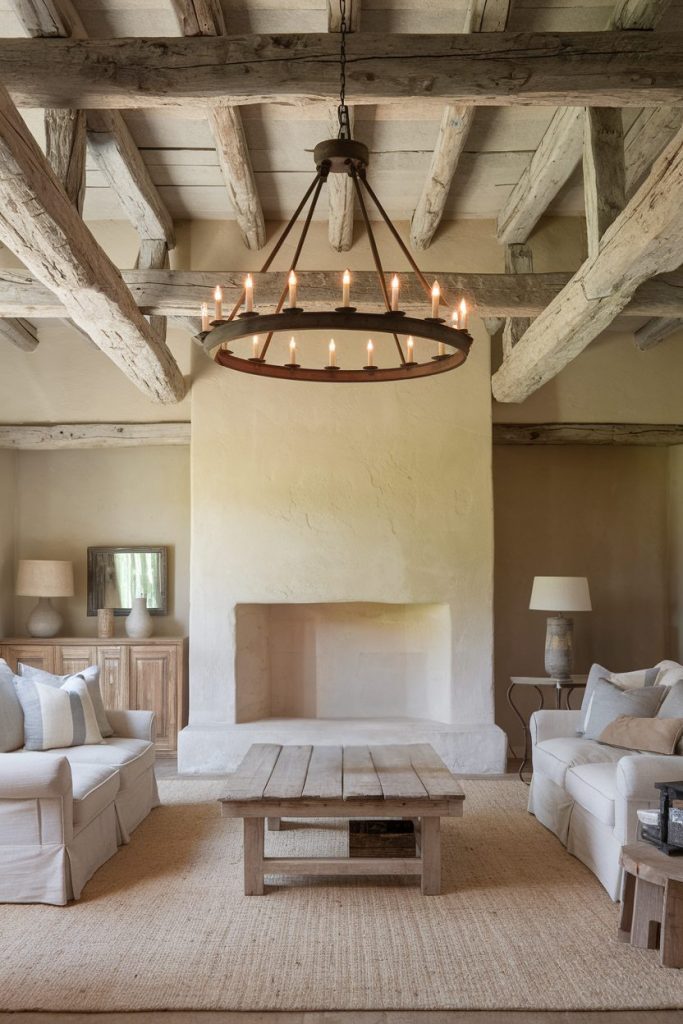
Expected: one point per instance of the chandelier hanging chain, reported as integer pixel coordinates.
(342, 109)
(318, 183)
(375, 255)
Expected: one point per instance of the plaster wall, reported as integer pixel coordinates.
(577, 511)
(8, 485)
(69, 500)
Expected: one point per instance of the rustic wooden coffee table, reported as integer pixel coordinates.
(405, 781)
(652, 902)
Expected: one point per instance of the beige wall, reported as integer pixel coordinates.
(576, 511)
(67, 501)
(7, 531)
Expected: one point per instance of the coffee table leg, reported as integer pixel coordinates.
(431, 856)
(628, 890)
(253, 856)
(671, 954)
(647, 914)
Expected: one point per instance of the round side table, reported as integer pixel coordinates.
(652, 902)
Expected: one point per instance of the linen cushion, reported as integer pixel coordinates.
(11, 715)
(651, 735)
(94, 788)
(554, 757)
(594, 787)
(92, 678)
(668, 673)
(626, 680)
(609, 701)
(672, 707)
(130, 757)
(57, 716)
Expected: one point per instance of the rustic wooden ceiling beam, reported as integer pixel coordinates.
(495, 69)
(353, 8)
(43, 229)
(638, 14)
(645, 239)
(340, 190)
(588, 433)
(200, 17)
(179, 293)
(38, 437)
(604, 182)
(49, 18)
(651, 333)
(518, 260)
(20, 333)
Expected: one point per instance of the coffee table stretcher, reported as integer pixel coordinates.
(402, 781)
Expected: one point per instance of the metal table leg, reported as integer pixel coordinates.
(525, 725)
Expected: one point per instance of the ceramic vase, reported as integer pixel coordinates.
(139, 621)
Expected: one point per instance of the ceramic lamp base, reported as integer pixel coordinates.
(44, 620)
(559, 655)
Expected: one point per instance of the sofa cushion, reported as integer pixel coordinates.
(130, 757)
(609, 701)
(94, 788)
(594, 787)
(554, 757)
(672, 707)
(625, 680)
(57, 716)
(11, 715)
(92, 680)
(669, 672)
(657, 735)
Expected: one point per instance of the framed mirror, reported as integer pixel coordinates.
(117, 575)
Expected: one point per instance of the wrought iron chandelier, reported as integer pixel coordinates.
(444, 341)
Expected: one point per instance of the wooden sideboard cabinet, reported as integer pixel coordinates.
(148, 675)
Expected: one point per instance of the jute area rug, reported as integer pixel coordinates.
(164, 925)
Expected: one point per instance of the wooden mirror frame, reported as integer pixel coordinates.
(156, 549)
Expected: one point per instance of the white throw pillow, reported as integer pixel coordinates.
(91, 675)
(669, 673)
(57, 716)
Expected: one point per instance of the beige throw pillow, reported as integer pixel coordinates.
(653, 735)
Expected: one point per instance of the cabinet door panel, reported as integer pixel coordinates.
(73, 658)
(113, 662)
(30, 654)
(153, 682)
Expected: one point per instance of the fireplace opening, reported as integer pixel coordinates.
(343, 660)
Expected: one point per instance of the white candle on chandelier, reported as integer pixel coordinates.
(411, 350)
(346, 288)
(394, 292)
(218, 303)
(248, 294)
(463, 315)
(292, 289)
(454, 320)
(333, 352)
(292, 351)
(371, 349)
(436, 297)
(254, 347)
(206, 323)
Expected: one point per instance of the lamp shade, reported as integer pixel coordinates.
(560, 594)
(42, 578)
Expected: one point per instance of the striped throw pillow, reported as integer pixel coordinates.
(57, 716)
(92, 678)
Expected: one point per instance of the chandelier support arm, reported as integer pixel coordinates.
(316, 186)
(375, 255)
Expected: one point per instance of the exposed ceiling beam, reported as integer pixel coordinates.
(205, 18)
(654, 331)
(603, 171)
(25, 437)
(153, 255)
(179, 293)
(638, 14)
(645, 239)
(588, 433)
(65, 151)
(518, 260)
(49, 18)
(340, 190)
(495, 69)
(645, 139)
(44, 230)
(20, 333)
(200, 17)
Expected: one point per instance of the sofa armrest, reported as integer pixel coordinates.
(133, 725)
(637, 774)
(548, 725)
(25, 775)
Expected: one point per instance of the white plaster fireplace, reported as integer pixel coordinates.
(342, 566)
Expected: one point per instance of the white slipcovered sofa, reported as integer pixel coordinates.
(588, 793)
(64, 812)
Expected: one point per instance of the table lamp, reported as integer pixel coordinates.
(44, 579)
(559, 594)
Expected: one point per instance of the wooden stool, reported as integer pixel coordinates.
(652, 902)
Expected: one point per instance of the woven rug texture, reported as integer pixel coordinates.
(165, 925)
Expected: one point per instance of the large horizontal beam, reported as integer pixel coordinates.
(498, 68)
(25, 437)
(588, 433)
(181, 292)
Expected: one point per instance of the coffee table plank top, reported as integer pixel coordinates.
(289, 774)
(324, 777)
(396, 773)
(251, 778)
(433, 773)
(360, 777)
